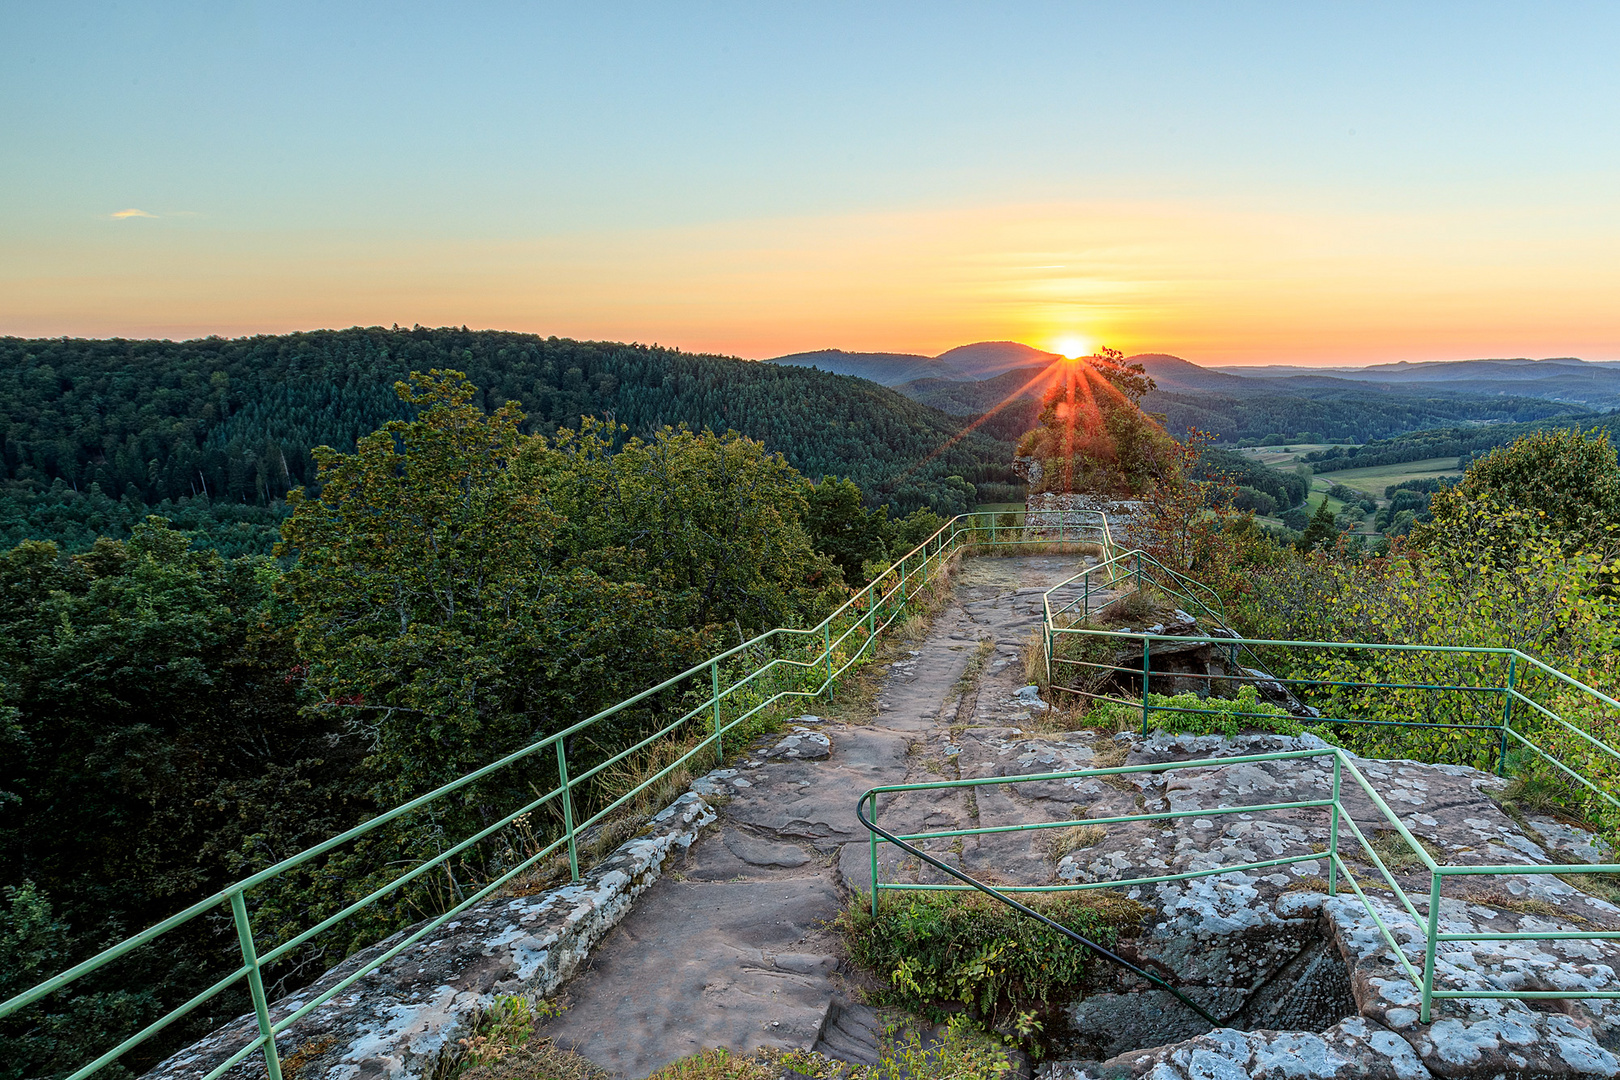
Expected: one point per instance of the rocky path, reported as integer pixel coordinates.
(713, 928)
(732, 947)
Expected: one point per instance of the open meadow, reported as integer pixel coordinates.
(1375, 479)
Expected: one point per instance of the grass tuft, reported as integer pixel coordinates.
(1062, 841)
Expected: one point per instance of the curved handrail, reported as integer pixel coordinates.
(1022, 909)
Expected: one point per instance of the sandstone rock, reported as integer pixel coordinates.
(804, 744)
(399, 1020)
(758, 852)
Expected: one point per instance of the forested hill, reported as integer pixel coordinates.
(235, 420)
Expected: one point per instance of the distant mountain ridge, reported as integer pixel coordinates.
(1238, 408)
(965, 363)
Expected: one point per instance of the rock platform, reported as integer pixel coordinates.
(729, 942)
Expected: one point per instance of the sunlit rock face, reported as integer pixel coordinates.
(1307, 984)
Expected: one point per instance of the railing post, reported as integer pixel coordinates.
(261, 1005)
(1144, 685)
(568, 812)
(1507, 718)
(872, 839)
(1333, 830)
(1085, 605)
(1429, 947)
(714, 676)
(992, 530)
(826, 647)
(871, 619)
(1046, 635)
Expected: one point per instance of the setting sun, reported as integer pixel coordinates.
(1071, 345)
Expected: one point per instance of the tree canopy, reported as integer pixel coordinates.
(1093, 436)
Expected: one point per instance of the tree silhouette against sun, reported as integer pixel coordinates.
(1093, 436)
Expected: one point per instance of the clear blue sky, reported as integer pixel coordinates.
(580, 166)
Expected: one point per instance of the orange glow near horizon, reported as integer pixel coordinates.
(1216, 284)
(1072, 346)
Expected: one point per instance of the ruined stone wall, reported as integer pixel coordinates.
(1052, 512)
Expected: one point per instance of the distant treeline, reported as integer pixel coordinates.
(1427, 486)
(1283, 490)
(1464, 443)
(216, 422)
(1334, 416)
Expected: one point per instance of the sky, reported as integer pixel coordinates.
(1232, 183)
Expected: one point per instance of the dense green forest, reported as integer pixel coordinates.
(172, 719)
(1284, 490)
(97, 432)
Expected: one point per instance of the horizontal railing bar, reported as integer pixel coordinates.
(1472, 650)
(1540, 935)
(1532, 868)
(157, 1025)
(1256, 679)
(1159, 816)
(1080, 774)
(1532, 995)
(1079, 886)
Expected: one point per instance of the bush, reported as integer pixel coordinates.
(1189, 714)
(943, 949)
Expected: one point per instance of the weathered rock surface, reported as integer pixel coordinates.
(732, 947)
(399, 1020)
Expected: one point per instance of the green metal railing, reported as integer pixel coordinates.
(1501, 691)
(1339, 818)
(1501, 677)
(740, 683)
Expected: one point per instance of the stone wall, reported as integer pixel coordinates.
(1057, 512)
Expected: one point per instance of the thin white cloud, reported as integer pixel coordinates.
(132, 212)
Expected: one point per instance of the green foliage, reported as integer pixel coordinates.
(154, 753)
(844, 530)
(1424, 486)
(861, 541)
(1461, 442)
(1092, 436)
(966, 949)
(1285, 490)
(502, 1029)
(1319, 530)
(1189, 714)
(34, 945)
(1559, 483)
(464, 590)
(964, 1053)
(75, 520)
(1547, 602)
(237, 421)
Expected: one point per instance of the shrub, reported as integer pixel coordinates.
(1189, 714)
(943, 949)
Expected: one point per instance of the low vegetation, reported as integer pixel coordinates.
(945, 952)
(1189, 714)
